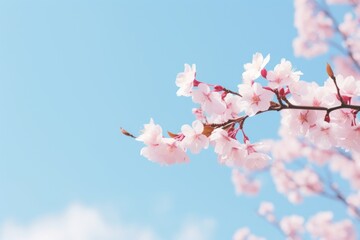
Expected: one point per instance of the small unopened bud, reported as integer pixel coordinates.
(327, 118)
(218, 88)
(282, 92)
(196, 83)
(126, 133)
(330, 71)
(172, 135)
(263, 73)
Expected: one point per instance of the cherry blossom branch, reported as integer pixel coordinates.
(347, 50)
(281, 106)
(338, 195)
(232, 92)
(341, 198)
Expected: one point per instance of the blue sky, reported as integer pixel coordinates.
(73, 72)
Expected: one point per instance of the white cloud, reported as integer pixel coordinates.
(78, 222)
(195, 229)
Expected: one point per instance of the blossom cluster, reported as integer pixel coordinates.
(293, 227)
(318, 30)
(319, 119)
(319, 127)
(325, 115)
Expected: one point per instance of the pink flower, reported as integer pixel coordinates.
(241, 234)
(223, 143)
(253, 69)
(193, 137)
(266, 209)
(308, 181)
(348, 86)
(343, 117)
(352, 137)
(303, 47)
(255, 159)
(244, 185)
(245, 234)
(345, 66)
(325, 135)
(199, 114)
(254, 98)
(152, 134)
(160, 149)
(233, 107)
(340, 1)
(282, 75)
(321, 227)
(354, 204)
(349, 26)
(167, 152)
(298, 122)
(314, 28)
(211, 102)
(236, 156)
(288, 153)
(184, 80)
(292, 226)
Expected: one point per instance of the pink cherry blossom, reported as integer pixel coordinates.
(341, 1)
(308, 181)
(152, 134)
(211, 102)
(283, 74)
(255, 159)
(222, 142)
(314, 29)
(199, 114)
(233, 107)
(253, 69)
(193, 137)
(245, 234)
(345, 66)
(295, 184)
(343, 117)
(354, 203)
(184, 80)
(254, 98)
(325, 135)
(349, 25)
(244, 185)
(321, 227)
(266, 208)
(298, 122)
(349, 170)
(166, 152)
(287, 154)
(235, 157)
(292, 226)
(319, 127)
(349, 87)
(352, 137)
(304, 47)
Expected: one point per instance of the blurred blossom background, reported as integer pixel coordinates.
(72, 72)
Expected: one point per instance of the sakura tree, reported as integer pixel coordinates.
(319, 128)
